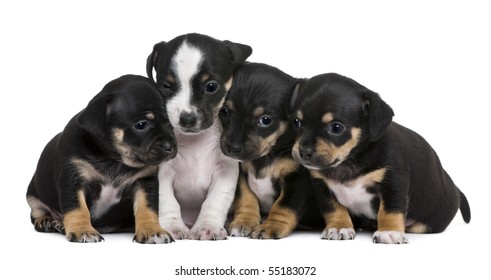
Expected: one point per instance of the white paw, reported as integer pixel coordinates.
(177, 229)
(204, 232)
(390, 237)
(338, 234)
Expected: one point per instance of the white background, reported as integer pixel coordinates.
(430, 60)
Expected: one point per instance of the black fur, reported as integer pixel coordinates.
(89, 137)
(414, 184)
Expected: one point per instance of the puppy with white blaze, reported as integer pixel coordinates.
(194, 73)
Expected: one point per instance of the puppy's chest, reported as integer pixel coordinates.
(358, 193)
(266, 181)
(108, 185)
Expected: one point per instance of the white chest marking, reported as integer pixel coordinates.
(354, 196)
(185, 64)
(263, 188)
(108, 197)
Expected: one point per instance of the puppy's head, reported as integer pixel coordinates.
(254, 114)
(334, 118)
(128, 119)
(194, 72)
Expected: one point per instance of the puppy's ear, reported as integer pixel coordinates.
(152, 58)
(93, 118)
(297, 86)
(379, 114)
(238, 52)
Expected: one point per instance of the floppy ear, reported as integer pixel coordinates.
(297, 86)
(151, 59)
(93, 118)
(238, 52)
(379, 115)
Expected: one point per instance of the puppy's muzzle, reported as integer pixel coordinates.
(188, 120)
(306, 152)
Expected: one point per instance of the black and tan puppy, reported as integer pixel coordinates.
(257, 132)
(100, 173)
(369, 166)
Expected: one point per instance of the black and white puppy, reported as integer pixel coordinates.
(369, 166)
(194, 73)
(257, 132)
(100, 174)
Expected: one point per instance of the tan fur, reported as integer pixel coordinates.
(246, 209)
(327, 118)
(279, 168)
(265, 144)
(299, 115)
(86, 170)
(228, 84)
(389, 221)
(229, 104)
(77, 222)
(280, 222)
(150, 116)
(417, 228)
(339, 218)
(123, 149)
(331, 152)
(146, 220)
(258, 112)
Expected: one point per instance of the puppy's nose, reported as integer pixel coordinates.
(188, 119)
(306, 152)
(168, 147)
(234, 148)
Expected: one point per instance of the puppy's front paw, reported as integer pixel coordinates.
(338, 234)
(242, 227)
(390, 237)
(153, 235)
(178, 230)
(271, 230)
(207, 233)
(88, 235)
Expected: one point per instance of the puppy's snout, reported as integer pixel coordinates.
(168, 147)
(306, 152)
(188, 120)
(235, 148)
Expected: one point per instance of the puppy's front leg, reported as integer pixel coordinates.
(338, 221)
(246, 210)
(390, 227)
(169, 209)
(78, 227)
(147, 227)
(211, 219)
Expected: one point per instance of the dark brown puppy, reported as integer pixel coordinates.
(257, 132)
(368, 166)
(100, 173)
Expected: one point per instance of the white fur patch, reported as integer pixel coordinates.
(185, 64)
(263, 188)
(197, 187)
(108, 197)
(354, 196)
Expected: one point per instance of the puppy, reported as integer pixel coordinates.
(369, 166)
(257, 132)
(101, 173)
(194, 72)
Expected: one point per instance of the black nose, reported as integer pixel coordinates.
(188, 120)
(168, 147)
(306, 152)
(234, 148)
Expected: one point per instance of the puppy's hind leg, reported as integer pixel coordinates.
(42, 218)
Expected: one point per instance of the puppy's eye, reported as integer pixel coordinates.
(224, 113)
(297, 123)
(141, 125)
(165, 86)
(211, 87)
(335, 128)
(265, 121)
